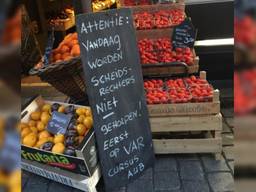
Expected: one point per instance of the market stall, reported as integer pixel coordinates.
(180, 108)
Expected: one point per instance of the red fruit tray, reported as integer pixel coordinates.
(178, 106)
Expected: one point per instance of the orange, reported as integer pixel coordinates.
(58, 148)
(23, 125)
(88, 112)
(40, 126)
(88, 122)
(46, 108)
(45, 117)
(79, 111)
(30, 140)
(35, 115)
(64, 49)
(81, 119)
(25, 132)
(81, 129)
(68, 37)
(67, 58)
(74, 36)
(57, 56)
(32, 123)
(61, 109)
(59, 139)
(75, 51)
(44, 134)
(34, 130)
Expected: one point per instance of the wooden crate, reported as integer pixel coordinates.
(201, 134)
(182, 109)
(64, 24)
(187, 127)
(122, 4)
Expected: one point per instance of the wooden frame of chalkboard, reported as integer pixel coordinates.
(84, 164)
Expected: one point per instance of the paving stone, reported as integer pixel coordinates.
(188, 157)
(141, 185)
(54, 187)
(148, 174)
(24, 179)
(36, 184)
(221, 182)
(195, 186)
(164, 163)
(166, 181)
(211, 165)
(122, 189)
(232, 165)
(178, 190)
(191, 170)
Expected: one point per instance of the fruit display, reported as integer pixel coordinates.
(157, 97)
(67, 49)
(155, 84)
(99, 5)
(201, 93)
(180, 95)
(245, 91)
(57, 18)
(245, 31)
(179, 90)
(153, 51)
(34, 133)
(159, 19)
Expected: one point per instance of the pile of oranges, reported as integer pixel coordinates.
(67, 49)
(34, 132)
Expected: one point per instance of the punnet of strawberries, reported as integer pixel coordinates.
(178, 90)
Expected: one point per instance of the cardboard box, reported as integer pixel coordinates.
(86, 161)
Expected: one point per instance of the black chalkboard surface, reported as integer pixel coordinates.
(184, 35)
(59, 123)
(115, 88)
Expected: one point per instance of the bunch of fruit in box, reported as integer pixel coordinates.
(179, 90)
(57, 18)
(67, 49)
(158, 20)
(153, 51)
(34, 133)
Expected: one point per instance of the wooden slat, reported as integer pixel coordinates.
(171, 146)
(173, 70)
(183, 109)
(186, 123)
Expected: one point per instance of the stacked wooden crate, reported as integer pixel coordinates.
(187, 127)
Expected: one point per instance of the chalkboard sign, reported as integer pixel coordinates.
(115, 88)
(48, 49)
(59, 123)
(184, 35)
